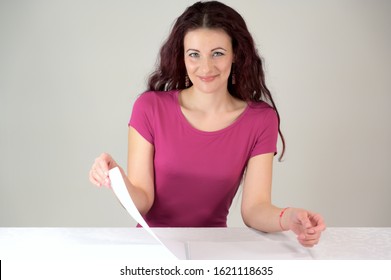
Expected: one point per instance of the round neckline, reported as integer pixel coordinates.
(219, 131)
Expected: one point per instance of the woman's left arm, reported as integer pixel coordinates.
(259, 213)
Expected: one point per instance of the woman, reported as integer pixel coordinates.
(207, 123)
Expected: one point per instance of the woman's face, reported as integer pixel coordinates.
(208, 59)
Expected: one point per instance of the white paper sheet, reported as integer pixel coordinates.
(246, 250)
(120, 190)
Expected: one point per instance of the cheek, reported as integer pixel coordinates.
(225, 68)
(190, 66)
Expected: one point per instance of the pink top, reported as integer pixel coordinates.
(197, 173)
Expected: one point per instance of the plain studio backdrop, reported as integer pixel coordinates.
(71, 70)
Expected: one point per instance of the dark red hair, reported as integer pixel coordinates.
(250, 78)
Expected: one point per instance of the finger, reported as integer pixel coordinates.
(101, 167)
(318, 222)
(315, 230)
(319, 228)
(308, 241)
(310, 236)
(104, 181)
(92, 179)
(97, 174)
(311, 243)
(312, 233)
(106, 162)
(304, 220)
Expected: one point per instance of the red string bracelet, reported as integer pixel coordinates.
(279, 221)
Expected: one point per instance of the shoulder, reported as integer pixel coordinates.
(155, 98)
(262, 111)
(259, 105)
(262, 119)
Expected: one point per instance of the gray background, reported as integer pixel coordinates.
(71, 70)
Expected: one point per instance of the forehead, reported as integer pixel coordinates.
(207, 38)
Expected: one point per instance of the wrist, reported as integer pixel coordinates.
(283, 219)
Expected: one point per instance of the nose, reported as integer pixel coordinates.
(206, 65)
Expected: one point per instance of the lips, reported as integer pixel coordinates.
(207, 78)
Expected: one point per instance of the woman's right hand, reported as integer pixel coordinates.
(99, 172)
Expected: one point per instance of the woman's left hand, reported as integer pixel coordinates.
(306, 225)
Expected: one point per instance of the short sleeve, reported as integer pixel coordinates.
(142, 117)
(266, 141)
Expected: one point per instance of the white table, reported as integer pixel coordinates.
(190, 243)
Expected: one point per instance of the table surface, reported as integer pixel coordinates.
(191, 243)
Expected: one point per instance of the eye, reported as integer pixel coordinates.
(194, 54)
(216, 54)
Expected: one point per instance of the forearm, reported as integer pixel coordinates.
(139, 197)
(266, 217)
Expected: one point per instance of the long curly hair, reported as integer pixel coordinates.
(249, 83)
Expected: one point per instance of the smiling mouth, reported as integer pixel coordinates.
(207, 78)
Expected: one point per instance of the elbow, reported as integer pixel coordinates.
(247, 217)
(145, 206)
(253, 216)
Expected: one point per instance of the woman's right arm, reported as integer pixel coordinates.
(140, 178)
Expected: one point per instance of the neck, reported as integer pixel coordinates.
(206, 102)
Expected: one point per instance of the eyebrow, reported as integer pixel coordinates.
(195, 50)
